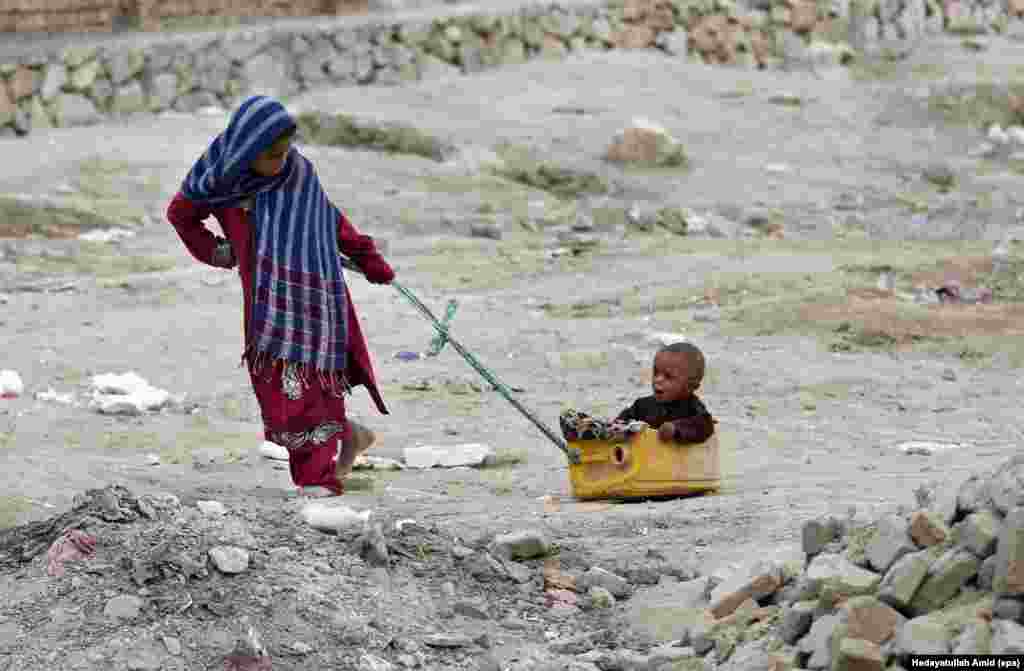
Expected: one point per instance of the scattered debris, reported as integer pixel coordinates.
(927, 448)
(269, 450)
(334, 518)
(212, 508)
(73, 545)
(126, 394)
(107, 235)
(952, 292)
(449, 456)
(408, 356)
(229, 559)
(54, 397)
(521, 545)
(997, 135)
(367, 463)
(11, 385)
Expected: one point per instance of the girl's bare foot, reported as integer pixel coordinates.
(360, 441)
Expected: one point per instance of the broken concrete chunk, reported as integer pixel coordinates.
(945, 577)
(842, 574)
(796, 621)
(816, 534)
(890, 542)
(902, 581)
(979, 533)
(618, 586)
(856, 654)
(1007, 638)
(449, 456)
(521, 545)
(923, 636)
(869, 619)
(1009, 577)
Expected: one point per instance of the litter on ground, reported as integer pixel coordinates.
(126, 394)
(449, 456)
(926, 448)
(11, 385)
(269, 450)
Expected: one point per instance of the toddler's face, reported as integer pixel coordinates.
(271, 161)
(671, 379)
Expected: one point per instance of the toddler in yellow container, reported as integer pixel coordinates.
(673, 410)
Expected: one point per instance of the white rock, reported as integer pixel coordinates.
(665, 339)
(274, 451)
(10, 383)
(997, 135)
(1015, 134)
(212, 508)
(448, 456)
(229, 559)
(107, 235)
(126, 394)
(925, 447)
(365, 463)
(53, 396)
(334, 518)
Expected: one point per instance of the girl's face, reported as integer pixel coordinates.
(271, 161)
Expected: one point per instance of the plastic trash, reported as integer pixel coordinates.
(269, 450)
(334, 518)
(11, 385)
(448, 456)
(74, 545)
(407, 356)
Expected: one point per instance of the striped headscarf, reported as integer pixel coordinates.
(300, 303)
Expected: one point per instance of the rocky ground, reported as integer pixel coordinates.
(821, 375)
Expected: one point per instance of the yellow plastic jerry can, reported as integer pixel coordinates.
(644, 466)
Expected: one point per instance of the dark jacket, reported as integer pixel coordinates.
(693, 423)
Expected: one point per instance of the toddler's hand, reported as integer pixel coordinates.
(667, 431)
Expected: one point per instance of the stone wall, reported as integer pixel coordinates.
(123, 76)
(57, 16)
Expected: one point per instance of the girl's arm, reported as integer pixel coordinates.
(363, 252)
(187, 218)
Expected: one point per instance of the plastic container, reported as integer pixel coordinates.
(644, 467)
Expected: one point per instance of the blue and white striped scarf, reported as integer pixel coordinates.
(300, 304)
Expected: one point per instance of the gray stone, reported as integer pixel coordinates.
(816, 534)
(362, 66)
(1008, 608)
(975, 639)
(1007, 638)
(229, 559)
(923, 636)
(1006, 487)
(945, 577)
(75, 110)
(83, 77)
(891, 542)
(748, 657)
(125, 64)
(979, 533)
(903, 579)
(55, 80)
(987, 574)
(124, 607)
(674, 43)
(243, 46)
(796, 621)
(268, 73)
(23, 118)
(172, 644)
(191, 103)
(162, 91)
(447, 641)
(666, 612)
(973, 495)
(598, 577)
(575, 645)
(213, 79)
(521, 545)
(470, 610)
(843, 574)
(483, 566)
(1009, 576)
(817, 642)
(129, 99)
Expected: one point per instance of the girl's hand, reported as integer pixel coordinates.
(376, 270)
(667, 432)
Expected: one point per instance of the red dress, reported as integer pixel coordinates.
(307, 417)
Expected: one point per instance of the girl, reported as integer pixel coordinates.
(303, 344)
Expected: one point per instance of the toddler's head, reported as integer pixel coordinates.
(678, 372)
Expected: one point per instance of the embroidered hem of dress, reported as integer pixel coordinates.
(334, 381)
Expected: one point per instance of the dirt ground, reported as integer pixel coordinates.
(808, 425)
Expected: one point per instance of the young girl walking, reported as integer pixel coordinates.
(303, 345)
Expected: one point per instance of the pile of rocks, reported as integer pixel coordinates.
(946, 578)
